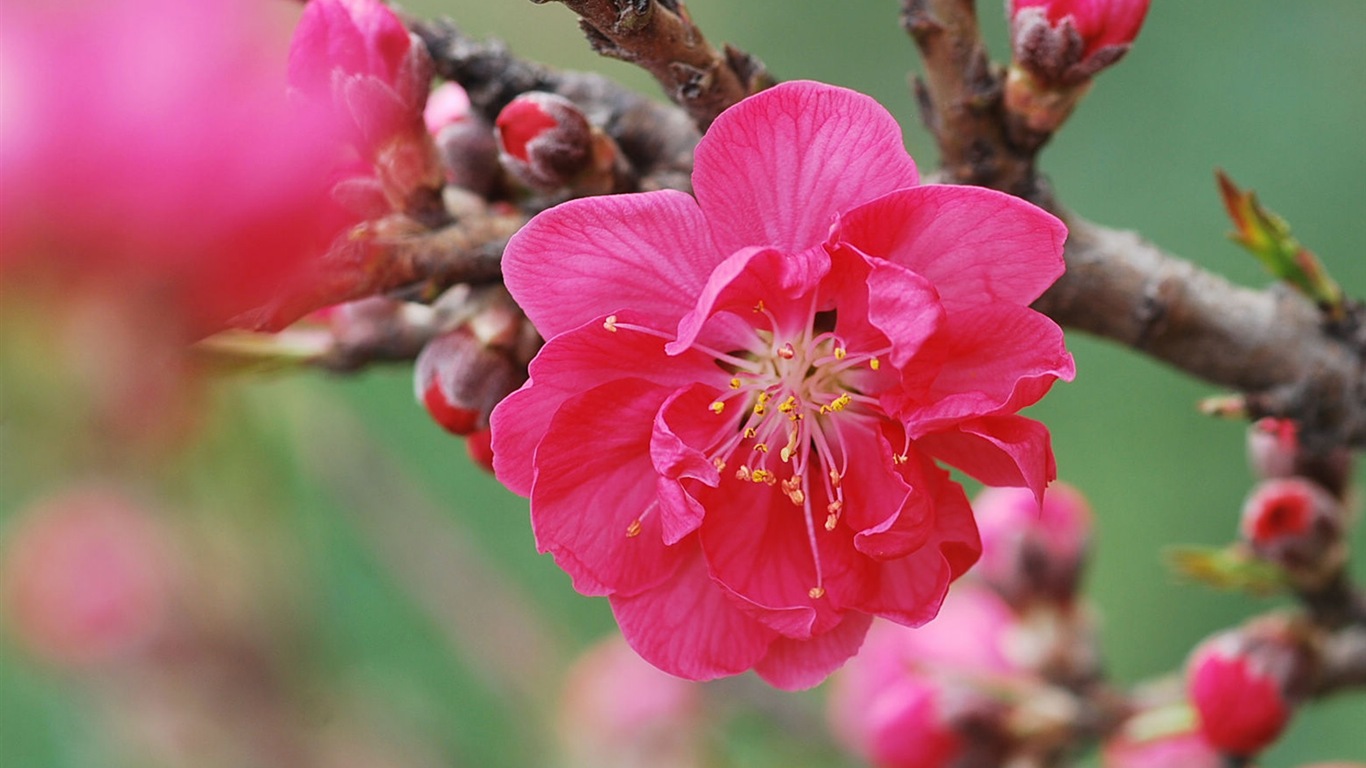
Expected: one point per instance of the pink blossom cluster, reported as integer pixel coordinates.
(734, 426)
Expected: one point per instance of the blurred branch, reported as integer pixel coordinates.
(661, 38)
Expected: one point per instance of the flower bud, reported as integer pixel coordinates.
(460, 378)
(547, 143)
(1295, 524)
(447, 105)
(1033, 552)
(618, 711)
(1240, 682)
(1068, 41)
(1274, 450)
(86, 577)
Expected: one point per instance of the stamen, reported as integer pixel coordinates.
(610, 323)
(874, 363)
(786, 351)
(633, 530)
(734, 383)
(840, 352)
(717, 407)
(816, 593)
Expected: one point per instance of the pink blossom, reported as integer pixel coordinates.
(87, 577)
(1071, 40)
(732, 429)
(147, 149)
(356, 58)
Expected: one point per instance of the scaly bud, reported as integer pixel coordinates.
(1033, 552)
(1241, 683)
(547, 143)
(460, 379)
(1057, 47)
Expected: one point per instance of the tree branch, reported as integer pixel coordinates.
(660, 37)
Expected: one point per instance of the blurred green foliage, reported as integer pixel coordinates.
(1267, 90)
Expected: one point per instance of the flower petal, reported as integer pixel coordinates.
(794, 665)
(998, 450)
(775, 169)
(594, 256)
(689, 627)
(890, 516)
(977, 246)
(572, 363)
(685, 427)
(594, 509)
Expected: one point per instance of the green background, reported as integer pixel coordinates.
(1269, 91)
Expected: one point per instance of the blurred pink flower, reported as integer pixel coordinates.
(1183, 750)
(148, 150)
(617, 711)
(1237, 681)
(1031, 551)
(447, 105)
(357, 58)
(87, 577)
(732, 428)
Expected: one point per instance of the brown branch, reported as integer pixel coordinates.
(1272, 345)
(660, 37)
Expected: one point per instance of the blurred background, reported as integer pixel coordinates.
(344, 578)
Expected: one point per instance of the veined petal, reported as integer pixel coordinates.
(684, 428)
(689, 627)
(593, 502)
(569, 364)
(648, 252)
(794, 665)
(890, 516)
(904, 306)
(975, 245)
(753, 277)
(998, 450)
(775, 169)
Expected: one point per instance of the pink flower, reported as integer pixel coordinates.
(732, 429)
(147, 149)
(1071, 40)
(356, 58)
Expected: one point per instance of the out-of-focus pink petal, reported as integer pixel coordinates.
(753, 277)
(794, 665)
(570, 364)
(599, 255)
(998, 450)
(775, 169)
(976, 246)
(688, 626)
(605, 534)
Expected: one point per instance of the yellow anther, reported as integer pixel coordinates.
(785, 454)
(840, 352)
(786, 351)
(764, 397)
(760, 306)
(759, 409)
(798, 497)
(610, 323)
(816, 593)
(734, 383)
(761, 447)
(835, 478)
(831, 521)
(834, 507)
(900, 458)
(717, 406)
(762, 476)
(742, 473)
(839, 403)
(875, 363)
(750, 432)
(719, 463)
(633, 530)
(789, 404)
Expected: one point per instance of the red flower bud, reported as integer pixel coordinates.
(545, 140)
(460, 379)
(1068, 41)
(1239, 683)
(1294, 523)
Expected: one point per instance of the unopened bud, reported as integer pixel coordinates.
(1065, 42)
(447, 105)
(547, 143)
(1274, 449)
(1033, 552)
(1297, 525)
(87, 577)
(460, 379)
(1241, 683)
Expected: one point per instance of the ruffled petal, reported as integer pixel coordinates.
(986, 360)
(890, 517)
(904, 306)
(595, 256)
(998, 450)
(689, 627)
(572, 363)
(685, 428)
(593, 503)
(794, 665)
(977, 246)
(746, 279)
(775, 169)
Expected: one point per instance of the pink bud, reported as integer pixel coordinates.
(1032, 551)
(1238, 682)
(1272, 447)
(1188, 749)
(545, 140)
(460, 379)
(1068, 41)
(446, 105)
(354, 37)
(1292, 521)
(618, 711)
(86, 577)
